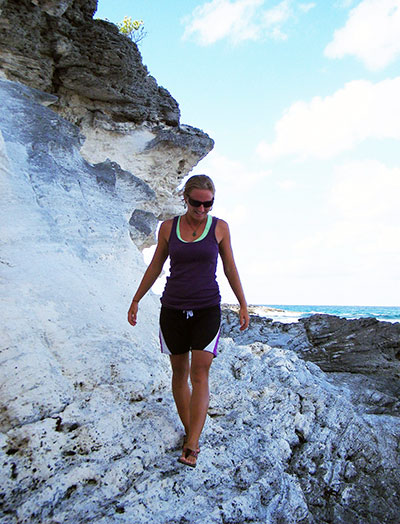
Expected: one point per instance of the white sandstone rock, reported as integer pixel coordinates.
(89, 430)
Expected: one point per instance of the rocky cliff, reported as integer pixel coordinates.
(57, 47)
(88, 429)
(102, 86)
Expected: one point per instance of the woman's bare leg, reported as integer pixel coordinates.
(180, 387)
(199, 370)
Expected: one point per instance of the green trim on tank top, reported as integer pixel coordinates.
(203, 235)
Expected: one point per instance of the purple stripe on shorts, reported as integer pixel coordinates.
(216, 344)
(163, 344)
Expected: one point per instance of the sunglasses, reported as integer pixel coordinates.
(197, 203)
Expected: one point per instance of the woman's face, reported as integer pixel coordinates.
(201, 195)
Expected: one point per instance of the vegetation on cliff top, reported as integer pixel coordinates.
(133, 29)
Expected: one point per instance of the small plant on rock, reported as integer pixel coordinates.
(133, 29)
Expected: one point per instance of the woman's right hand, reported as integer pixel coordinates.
(132, 313)
(153, 271)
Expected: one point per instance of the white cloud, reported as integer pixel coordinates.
(218, 19)
(371, 34)
(367, 191)
(307, 7)
(344, 3)
(231, 173)
(287, 185)
(351, 254)
(364, 222)
(273, 19)
(239, 20)
(325, 127)
(278, 14)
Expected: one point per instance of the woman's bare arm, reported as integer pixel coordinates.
(152, 272)
(231, 272)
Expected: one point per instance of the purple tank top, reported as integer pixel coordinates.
(192, 282)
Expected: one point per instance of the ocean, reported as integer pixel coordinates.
(290, 313)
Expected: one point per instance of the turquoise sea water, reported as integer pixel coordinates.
(292, 313)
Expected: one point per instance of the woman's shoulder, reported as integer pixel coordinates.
(221, 224)
(165, 228)
(168, 222)
(221, 229)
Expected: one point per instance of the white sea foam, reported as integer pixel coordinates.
(277, 315)
(292, 313)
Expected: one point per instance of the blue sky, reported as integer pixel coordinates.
(302, 99)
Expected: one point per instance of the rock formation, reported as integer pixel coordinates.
(88, 429)
(364, 354)
(103, 87)
(98, 74)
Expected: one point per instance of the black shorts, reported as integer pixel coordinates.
(182, 331)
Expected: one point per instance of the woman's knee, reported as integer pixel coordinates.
(180, 376)
(180, 367)
(199, 372)
(199, 380)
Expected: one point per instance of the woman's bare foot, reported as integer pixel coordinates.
(189, 458)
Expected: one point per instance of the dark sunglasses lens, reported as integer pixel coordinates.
(197, 203)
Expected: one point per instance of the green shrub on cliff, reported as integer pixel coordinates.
(133, 29)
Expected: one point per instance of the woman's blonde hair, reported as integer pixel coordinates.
(198, 182)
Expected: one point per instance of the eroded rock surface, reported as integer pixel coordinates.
(363, 353)
(281, 444)
(97, 73)
(67, 264)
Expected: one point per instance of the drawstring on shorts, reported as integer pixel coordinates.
(189, 313)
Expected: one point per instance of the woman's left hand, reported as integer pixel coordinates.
(244, 318)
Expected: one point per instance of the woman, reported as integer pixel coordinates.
(190, 312)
